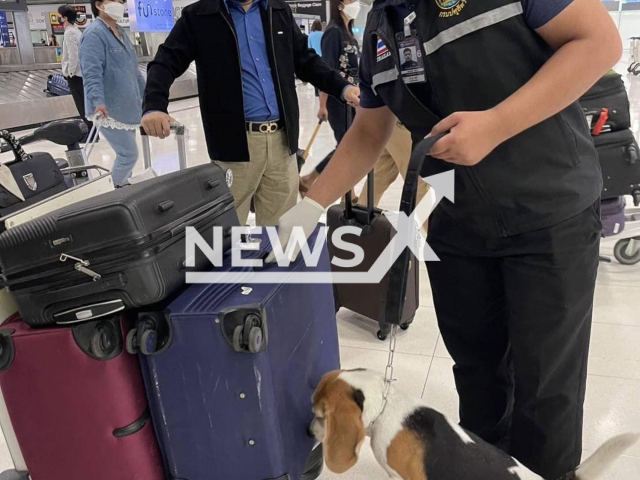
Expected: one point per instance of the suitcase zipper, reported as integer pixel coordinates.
(167, 237)
(81, 266)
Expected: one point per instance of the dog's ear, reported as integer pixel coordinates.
(344, 431)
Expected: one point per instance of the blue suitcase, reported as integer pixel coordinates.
(220, 411)
(57, 86)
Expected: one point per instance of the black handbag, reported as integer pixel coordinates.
(37, 176)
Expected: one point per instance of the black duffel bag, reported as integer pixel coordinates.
(36, 175)
(608, 98)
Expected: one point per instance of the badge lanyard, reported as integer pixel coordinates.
(410, 53)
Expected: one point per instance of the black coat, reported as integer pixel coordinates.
(206, 34)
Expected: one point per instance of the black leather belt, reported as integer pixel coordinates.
(265, 127)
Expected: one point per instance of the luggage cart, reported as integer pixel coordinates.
(627, 250)
(634, 53)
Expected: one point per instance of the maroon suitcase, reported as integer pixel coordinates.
(77, 402)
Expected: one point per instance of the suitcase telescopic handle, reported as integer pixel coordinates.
(399, 273)
(176, 127)
(180, 130)
(348, 200)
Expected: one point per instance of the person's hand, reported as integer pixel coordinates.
(306, 215)
(323, 113)
(352, 96)
(472, 136)
(101, 111)
(157, 124)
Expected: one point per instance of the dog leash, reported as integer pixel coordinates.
(388, 372)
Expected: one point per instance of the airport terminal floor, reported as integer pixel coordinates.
(422, 365)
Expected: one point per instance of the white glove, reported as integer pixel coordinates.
(305, 215)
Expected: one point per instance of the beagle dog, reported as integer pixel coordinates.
(413, 442)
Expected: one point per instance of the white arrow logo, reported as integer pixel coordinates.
(408, 235)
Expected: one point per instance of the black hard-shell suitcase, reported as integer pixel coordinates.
(620, 163)
(122, 249)
(608, 93)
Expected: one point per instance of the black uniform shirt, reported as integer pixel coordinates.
(536, 13)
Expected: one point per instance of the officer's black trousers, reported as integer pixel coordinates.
(515, 314)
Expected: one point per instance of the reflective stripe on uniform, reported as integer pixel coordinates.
(384, 77)
(473, 25)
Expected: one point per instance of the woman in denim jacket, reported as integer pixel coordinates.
(113, 85)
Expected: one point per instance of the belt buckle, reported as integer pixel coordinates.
(268, 127)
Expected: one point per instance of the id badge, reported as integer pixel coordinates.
(411, 59)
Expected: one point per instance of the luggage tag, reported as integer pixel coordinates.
(410, 52)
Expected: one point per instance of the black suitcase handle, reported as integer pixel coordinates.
(348, 207)
(399, 273)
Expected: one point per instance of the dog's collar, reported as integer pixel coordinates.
(384, 405)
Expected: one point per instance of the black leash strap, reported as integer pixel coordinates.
(399, 273)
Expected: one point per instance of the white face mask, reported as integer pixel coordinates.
(352, 10)
(115, 10)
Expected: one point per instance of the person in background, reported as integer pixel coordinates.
(248, 95)
(315, 37)
(341, 52)
(71, 58)
(113, 85)
(315, 41)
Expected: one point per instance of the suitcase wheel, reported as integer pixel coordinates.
(249, 336)
(103, 341)
(237, 339)
(404, 327)
(7, 351)
(382, 336)
(151, 336)
(132, 341)
(255, 340)
(148, 342)
(99, 339)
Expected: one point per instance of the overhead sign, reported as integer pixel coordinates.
(309, 7)
(82, 20)
(56, 25)
(150, 15)
(39, 15)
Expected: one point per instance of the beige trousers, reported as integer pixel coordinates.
(270, 178)
(393, 161)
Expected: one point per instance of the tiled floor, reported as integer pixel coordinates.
(423, 366)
